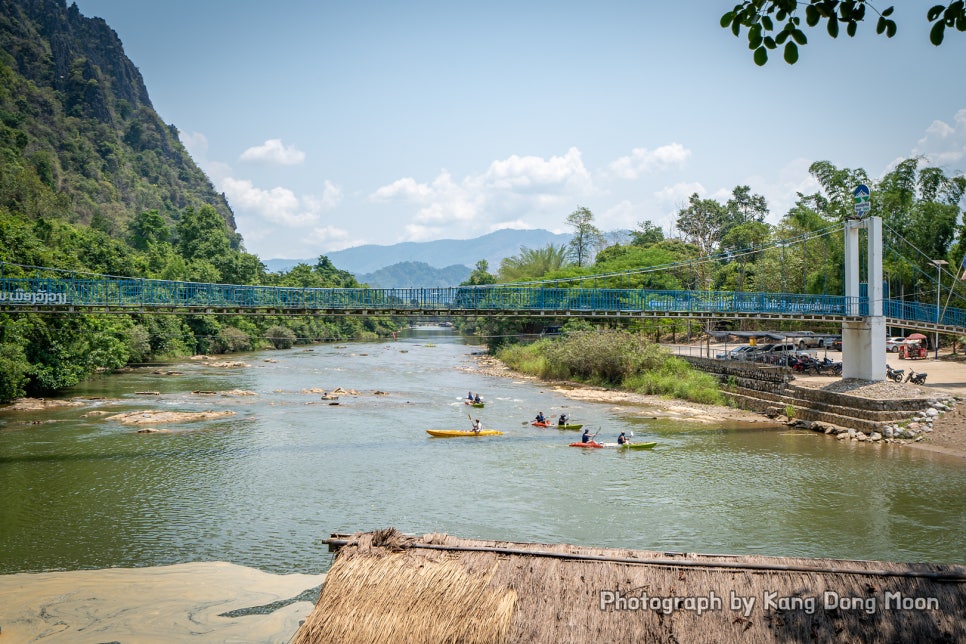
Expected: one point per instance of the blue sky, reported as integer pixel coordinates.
(334, 124)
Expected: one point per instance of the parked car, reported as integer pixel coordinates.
(738, 353)
(776, 353)
(758, 349)
(812, 341)
(894, 344)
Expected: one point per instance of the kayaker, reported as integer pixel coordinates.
(585, 437)
(477, 399)
(562, 420)
(622, 439)
(540, 417)
(469, 396)
(477, 426)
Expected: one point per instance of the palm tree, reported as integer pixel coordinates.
(532, 264)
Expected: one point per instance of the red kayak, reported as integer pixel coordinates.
(590, 444)
(539, 424)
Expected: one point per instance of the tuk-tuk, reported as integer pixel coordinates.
(913, 350)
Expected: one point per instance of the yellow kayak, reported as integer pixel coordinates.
(452, 433)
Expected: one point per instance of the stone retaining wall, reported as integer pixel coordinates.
(867, 404)
(768, 390)
(747, 375)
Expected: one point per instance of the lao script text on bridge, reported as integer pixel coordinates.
(132, 296)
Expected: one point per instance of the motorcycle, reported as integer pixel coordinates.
(821, 366)
(916, 378)
(894, 375)
(801, 364)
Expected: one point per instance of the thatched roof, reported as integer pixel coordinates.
(385, 586)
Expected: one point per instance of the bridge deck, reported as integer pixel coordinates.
(133, 296)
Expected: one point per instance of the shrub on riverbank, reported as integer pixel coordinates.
(613, 358)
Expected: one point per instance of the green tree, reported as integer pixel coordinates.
(744, 207)
(901, 193)
(231, 340)
(480, 275)
(805, 218)
(532, 264)
(203, 235)
(587, 237)
(148, 228)
(331, 276)
(138, 343)
(703, 223)
(15, 367)
(838, 185)
(647, 234)
(281, 337)
(778, 23)
(631, 263)
(741, 242)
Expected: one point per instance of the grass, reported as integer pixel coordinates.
(616, 359)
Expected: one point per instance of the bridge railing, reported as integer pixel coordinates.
(919, 312)
(120, 293)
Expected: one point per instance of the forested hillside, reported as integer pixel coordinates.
(92, 180)
(79, 137)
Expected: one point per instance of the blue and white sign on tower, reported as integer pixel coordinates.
(862, 197)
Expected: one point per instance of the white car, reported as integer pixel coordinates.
(893, 344)
(738, 353)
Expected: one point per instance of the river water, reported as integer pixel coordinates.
(263, 487)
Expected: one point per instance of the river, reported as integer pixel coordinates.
(263, 487)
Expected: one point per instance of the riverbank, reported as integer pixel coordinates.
(201, 602)
(948, 435)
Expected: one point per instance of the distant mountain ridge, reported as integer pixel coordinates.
(442, 253)
(413, 274)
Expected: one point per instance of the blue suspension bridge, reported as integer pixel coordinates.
(45, 290)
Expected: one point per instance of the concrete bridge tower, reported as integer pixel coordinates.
(863, 342)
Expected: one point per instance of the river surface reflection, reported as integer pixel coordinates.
(263, 487)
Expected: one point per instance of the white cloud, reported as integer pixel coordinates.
(536, 174)
(274, 151)
(331, 197)
(405, 188)
(195, 143)
(643, 161)
(507, 191)
(279, 205)
(217, 171)
(943, 143)
(331, 237)
(418, 232)
(622, 215)
(677, 195)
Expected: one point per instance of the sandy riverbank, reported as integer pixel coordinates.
(197, 602)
